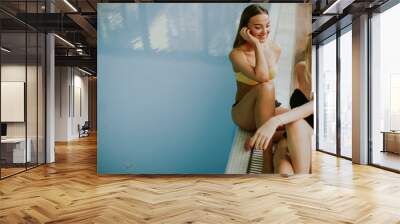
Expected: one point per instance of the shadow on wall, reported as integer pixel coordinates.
(179, 29)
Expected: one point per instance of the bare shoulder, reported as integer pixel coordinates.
(234, 57)
(235, 51)
(235, 54)
(232, 53)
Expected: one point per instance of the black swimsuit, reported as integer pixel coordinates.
(297, 99)
(277, 103)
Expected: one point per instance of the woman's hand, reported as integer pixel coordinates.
(245, 33)
(263, 135)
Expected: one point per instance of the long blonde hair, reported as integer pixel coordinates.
(303, 74)
(308, 61)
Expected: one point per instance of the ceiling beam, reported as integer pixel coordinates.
(84, 24)
(82, 61)
(337, 7)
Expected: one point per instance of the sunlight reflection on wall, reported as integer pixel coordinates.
(162, 28)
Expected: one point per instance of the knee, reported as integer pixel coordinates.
(266, 88)
(294, 126)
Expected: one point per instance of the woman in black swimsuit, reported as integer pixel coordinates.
(294, 154)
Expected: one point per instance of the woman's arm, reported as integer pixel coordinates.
(295, 114)
(260, 72)
(261, 64)
(264, 133)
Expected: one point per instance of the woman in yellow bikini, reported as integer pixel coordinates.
(254, 58)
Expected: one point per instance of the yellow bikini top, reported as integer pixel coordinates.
(240, 77)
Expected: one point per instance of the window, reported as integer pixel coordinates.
(346, 93)
(327, 96)
(385, 89)
(22, 77)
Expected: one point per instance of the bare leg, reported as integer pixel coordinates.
(282, 163)
(265, 97)
(268, 166)
(299, 144)
(267, 160)
(255, 108)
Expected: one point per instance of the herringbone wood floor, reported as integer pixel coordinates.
(70, 191)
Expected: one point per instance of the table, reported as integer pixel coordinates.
(391, 141)
(15, 148)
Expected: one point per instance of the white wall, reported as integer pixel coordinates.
(70, 83)
(79, 117)
(16, 73)
(62, 80)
